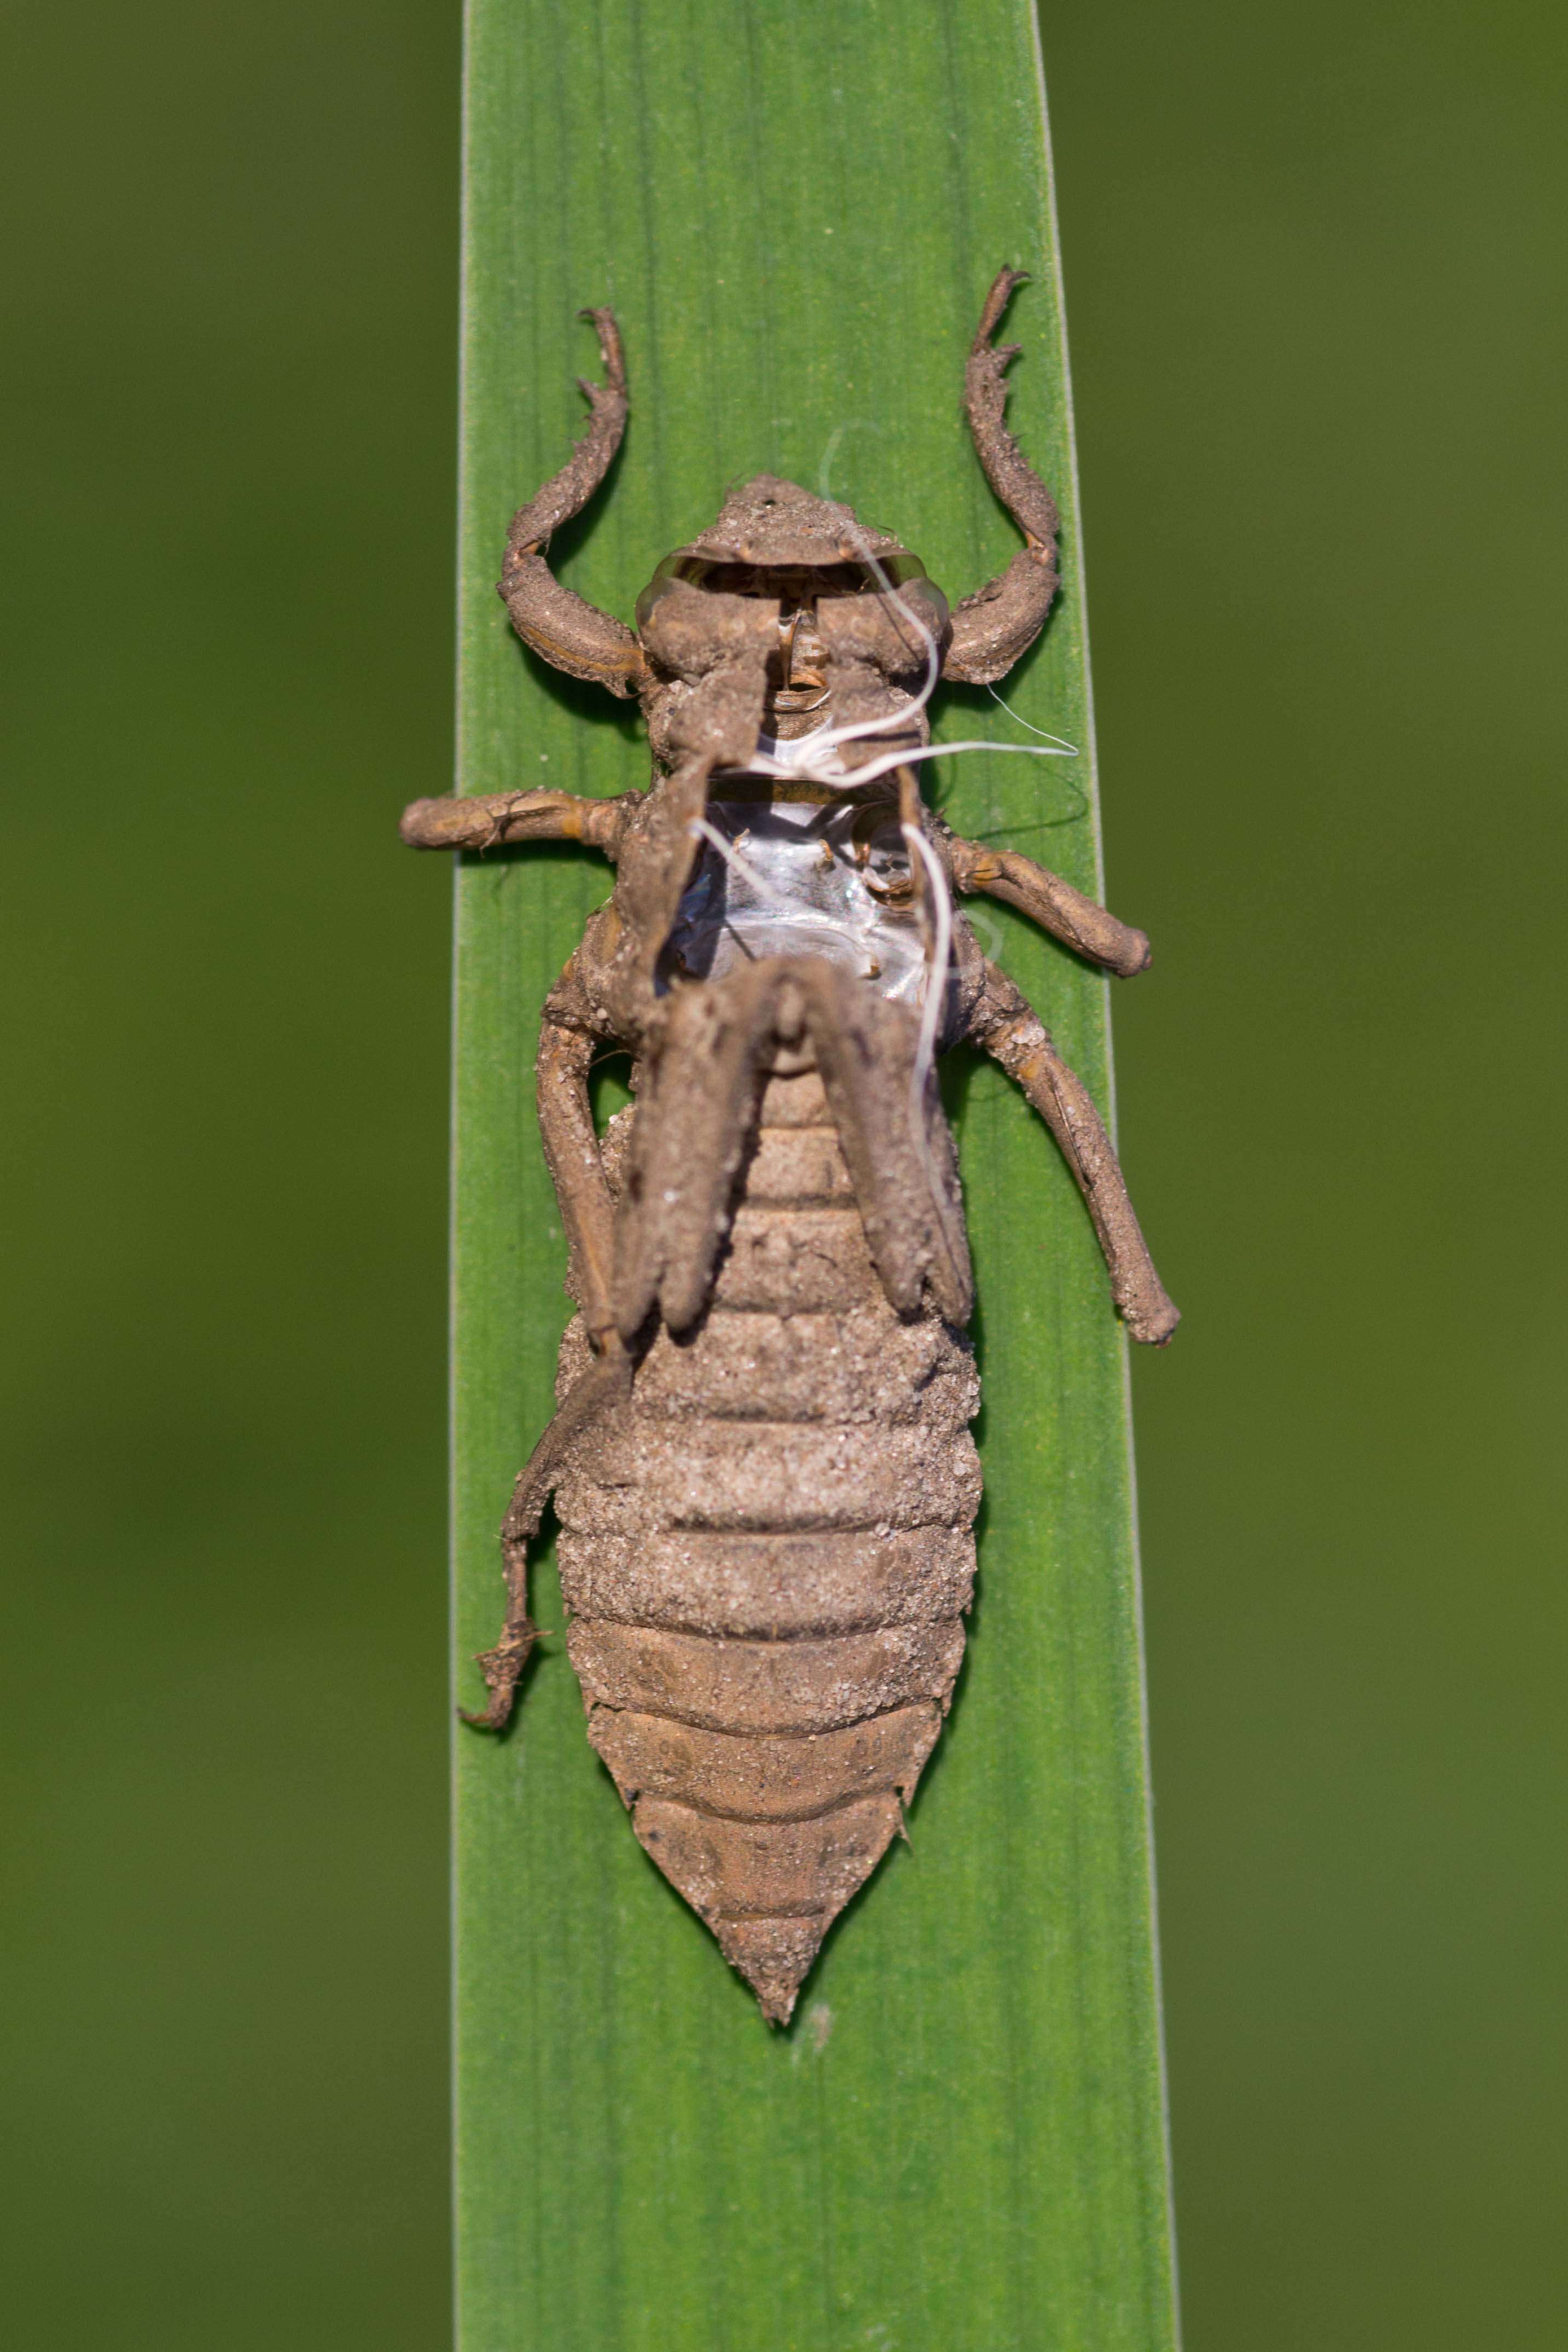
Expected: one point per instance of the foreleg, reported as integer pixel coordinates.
(1002, 620)
(569, 633)
(1006, 1024)
(1079, 922)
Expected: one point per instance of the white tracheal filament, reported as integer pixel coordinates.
(940, 956)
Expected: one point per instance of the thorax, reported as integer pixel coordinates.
(810, 875)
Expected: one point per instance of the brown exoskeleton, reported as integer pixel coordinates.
(761, 1459)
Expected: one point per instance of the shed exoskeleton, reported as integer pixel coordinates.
(761, 1458)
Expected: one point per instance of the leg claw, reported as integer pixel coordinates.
(502, 1668)
(1152, 1326)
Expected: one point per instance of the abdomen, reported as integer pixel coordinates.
(766, 1556)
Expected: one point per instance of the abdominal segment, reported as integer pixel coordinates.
(766, 1556)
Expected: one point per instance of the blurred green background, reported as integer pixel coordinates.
(1315, 268)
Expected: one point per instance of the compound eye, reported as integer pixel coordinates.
(925, 599)
(667, 577)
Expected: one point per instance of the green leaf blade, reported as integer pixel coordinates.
(960, 2142)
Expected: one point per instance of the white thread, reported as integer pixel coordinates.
(936, 972)
(764, 765)
(1069, 750)
(931, 1015)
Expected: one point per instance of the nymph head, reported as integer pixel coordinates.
(812, 560)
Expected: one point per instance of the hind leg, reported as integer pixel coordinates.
(602, 1386)
(572, 1148)
(688, 1139)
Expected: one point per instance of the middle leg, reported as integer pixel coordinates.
(1007, 1027)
